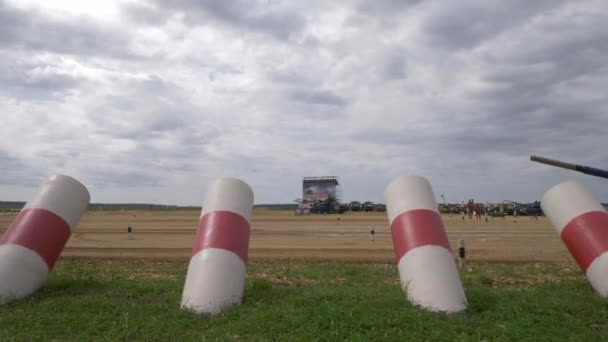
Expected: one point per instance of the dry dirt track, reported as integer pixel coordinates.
(277, 234)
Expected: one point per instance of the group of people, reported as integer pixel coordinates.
(477, 213)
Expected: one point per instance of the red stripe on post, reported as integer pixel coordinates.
(225, 230)
(416, 228)
(586, 237)
(41, 231)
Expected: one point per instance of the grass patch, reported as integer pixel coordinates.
(139, 300)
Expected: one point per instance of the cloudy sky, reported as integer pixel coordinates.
(149, 101)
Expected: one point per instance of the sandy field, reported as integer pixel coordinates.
(281, 235)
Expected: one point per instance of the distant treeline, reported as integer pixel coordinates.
(11, 205)
(138, 206)
(14, 206)
(6, 205)
(287, 206)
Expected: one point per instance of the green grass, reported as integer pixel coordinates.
(290, 301)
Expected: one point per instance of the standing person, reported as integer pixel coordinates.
(515, 215)
(338, 220)
(485, 215)
(463, 215)
(372, 233)
(130, 231)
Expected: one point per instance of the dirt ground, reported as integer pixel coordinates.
(281, 235)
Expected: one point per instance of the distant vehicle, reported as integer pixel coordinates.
(533, 209)
(355, 206)
(456, 208)
(381, 208)
(444, 208)
(367, 206)
(529, 209)
(330, 205)
(451, 208)
(320, 208)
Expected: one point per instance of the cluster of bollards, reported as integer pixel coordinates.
(216, 274)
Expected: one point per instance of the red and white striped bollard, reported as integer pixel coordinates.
(216, 274)
(34, 240)
(427, 269)
(582, 223)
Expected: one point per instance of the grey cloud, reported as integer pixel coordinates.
(398, 136)
(485, 138)
(123, 179)
(545, 88)
(466, 24)
(579, 35)
(168, 122)
(395, 67)
(147, 106)
(145, 13)
(169, 132)
(269, 18)
(318, 97)
(293, 78)
(559, 85)
(15, 172)
(33, 79)
(142, 136)
(386, 7)
(156, 155)
(31, 30)
(537, 78)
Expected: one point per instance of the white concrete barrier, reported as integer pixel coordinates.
(216, 275)
(33, 242)
(582, 223)
(426, 266)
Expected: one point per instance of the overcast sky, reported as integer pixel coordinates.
(151, 101)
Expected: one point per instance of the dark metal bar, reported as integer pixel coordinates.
(580, 168)
(554, 162)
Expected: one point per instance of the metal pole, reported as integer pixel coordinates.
(461, 255)
(553, 162)
(574, 167)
